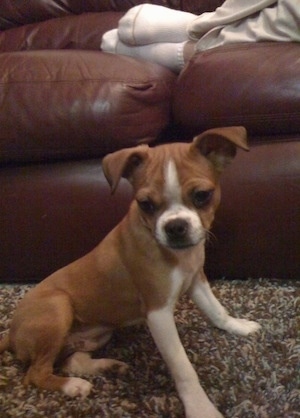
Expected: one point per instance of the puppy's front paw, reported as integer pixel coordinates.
(240, 326)
(77, 387)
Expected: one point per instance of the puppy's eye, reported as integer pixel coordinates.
(201, 197)
(147, 206)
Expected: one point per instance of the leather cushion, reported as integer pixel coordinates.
(73, 103)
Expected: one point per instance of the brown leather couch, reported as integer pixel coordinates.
(65, 104)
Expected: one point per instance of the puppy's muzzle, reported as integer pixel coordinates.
(177, 231)
(178, 234)
(179, 228)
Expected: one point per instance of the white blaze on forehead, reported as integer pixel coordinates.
(176, 209)
(172, 189)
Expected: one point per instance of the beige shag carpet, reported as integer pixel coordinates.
(254, 377)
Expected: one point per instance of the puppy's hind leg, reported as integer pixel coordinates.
(202, 295)
(39, 332)
(81, 363)
(40, 372)
(41, 375)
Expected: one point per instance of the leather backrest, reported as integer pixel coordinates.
(16, 13)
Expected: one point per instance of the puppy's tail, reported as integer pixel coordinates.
(4, 343)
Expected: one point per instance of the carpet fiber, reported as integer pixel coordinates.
(257, 376)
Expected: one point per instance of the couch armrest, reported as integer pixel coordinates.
(255, 85)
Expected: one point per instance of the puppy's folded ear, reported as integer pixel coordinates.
(123, 163)
(219, 145)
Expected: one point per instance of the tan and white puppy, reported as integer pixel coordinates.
(138, 272)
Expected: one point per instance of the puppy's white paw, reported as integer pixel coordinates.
(240, 326)
(77, 387)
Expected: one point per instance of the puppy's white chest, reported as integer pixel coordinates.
(181, 280)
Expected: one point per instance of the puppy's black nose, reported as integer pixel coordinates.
(176, 229)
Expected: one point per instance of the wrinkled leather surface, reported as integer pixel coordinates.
(86, 104)
(64, 104)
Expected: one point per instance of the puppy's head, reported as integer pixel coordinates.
(176, 186)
